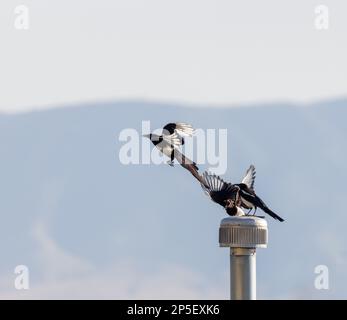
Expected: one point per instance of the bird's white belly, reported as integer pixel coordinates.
(240, 212)
(167, 150)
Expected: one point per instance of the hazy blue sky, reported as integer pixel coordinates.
(88, 226)
(198, 51)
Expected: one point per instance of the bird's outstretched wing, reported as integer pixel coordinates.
(216, 188)
(181, 128)
(173, 140)
(249, 177)
(213, 183)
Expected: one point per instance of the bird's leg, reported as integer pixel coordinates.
(171, 162)
(255, 210)
(249, 211)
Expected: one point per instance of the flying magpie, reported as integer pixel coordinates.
(181, 128)
(243, 194)
(223, 193)
(170, 140)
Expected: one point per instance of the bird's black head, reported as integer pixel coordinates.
(231, 211)
(154, 138)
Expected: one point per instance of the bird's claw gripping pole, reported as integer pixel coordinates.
(243, 235)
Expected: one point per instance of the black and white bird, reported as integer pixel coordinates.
(223, 193)
(180, 128)
(245, 194)
(249, 199)
(170, 140)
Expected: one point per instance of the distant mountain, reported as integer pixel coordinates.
(88, 226)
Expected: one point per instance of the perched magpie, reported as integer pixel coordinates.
(170, 140)
(249, 199)
(223, 193)
(236, 195)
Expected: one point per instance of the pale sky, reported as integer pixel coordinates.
(196, 51)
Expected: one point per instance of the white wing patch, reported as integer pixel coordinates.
(172, 139)
(184, 129)
(249, 177)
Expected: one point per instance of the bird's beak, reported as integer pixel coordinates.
(146, 135)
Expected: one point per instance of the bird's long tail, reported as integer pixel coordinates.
(266, 209)
(189, 165)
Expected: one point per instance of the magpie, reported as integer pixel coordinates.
(223, 193)
(181, 128)
(170, 140)
(249, 199)
(236, 195)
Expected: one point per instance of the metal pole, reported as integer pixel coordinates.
(243, 235)
(242, 274)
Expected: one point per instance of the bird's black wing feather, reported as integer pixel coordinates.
(169, 128)
(256, 201)
(246, 189)
(249, 177)
(217, 189)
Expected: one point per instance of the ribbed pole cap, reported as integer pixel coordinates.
(243, 232)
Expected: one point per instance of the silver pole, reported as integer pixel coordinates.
(243, 235)
(242, 274)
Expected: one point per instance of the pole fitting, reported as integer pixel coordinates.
(243, 232)
(242, 251)
(243, 235)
